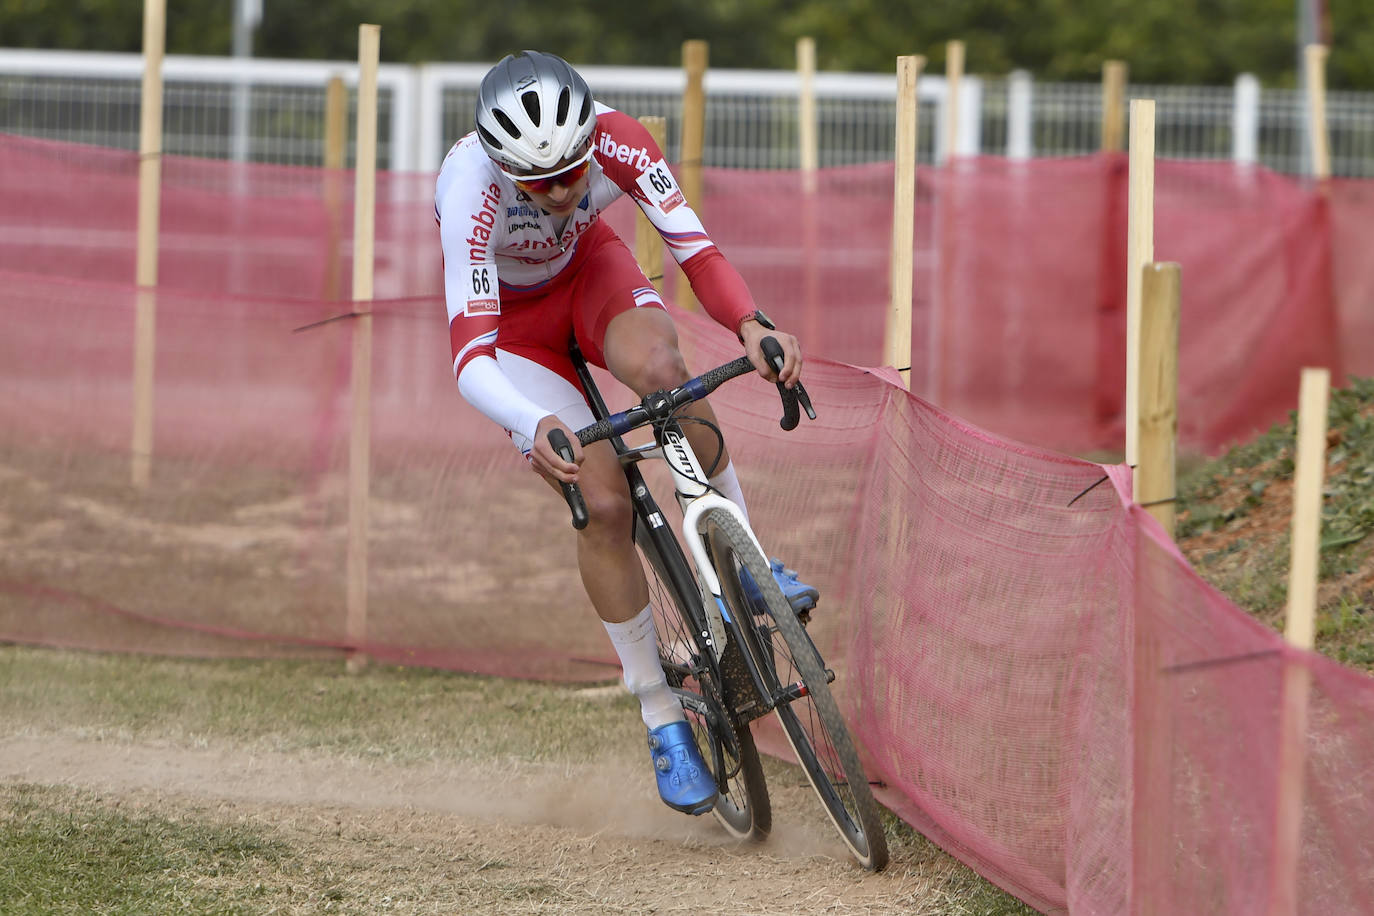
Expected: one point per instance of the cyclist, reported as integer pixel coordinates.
(527, 265)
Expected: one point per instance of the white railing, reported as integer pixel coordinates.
(752, 115)
(94, 98)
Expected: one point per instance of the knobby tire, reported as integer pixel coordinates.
(812, 722)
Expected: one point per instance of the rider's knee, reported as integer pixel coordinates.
(608, 511)
(660, 367)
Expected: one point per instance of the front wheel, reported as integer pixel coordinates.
(727, 747)
(811, 718)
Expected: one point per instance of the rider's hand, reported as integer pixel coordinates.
(751, 332)
(549, 463)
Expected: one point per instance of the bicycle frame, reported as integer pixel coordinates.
(748, 695)
(740, 649)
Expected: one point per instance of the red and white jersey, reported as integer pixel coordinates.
(495, 237)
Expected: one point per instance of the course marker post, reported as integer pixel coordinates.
(897, 338)
(695, 58)
(808, 160)
(335, 154)
(360, 438)
(1300, 631)
(1140, 250)
(954, 88)
(1314, 65)
(807, 132)
(1158, 412)
(1113, 106)
(149, 207)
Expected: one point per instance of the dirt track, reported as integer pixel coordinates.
(497, 838)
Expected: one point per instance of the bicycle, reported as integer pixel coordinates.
(728, 660)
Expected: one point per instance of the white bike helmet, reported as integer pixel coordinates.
(534, 112)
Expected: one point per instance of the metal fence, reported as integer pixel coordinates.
(274, 111)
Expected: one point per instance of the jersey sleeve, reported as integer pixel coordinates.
(472, 295)
(631, 158)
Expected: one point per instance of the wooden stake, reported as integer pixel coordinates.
(335, 150)
(359, 452)
(1300, 631)
(695, 55)
(1314, 60)
(335, 123)
(1308, 477)
(1152, 722)
(897, 339)
(1152, 752)
(648, 243)
(809, 157)
(1113, 106)
(1140, 250)
(1158, 411)
(807, 134)
(954, 87)
(149, 207)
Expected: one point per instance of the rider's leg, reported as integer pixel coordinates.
(610, 568)
(726, 482)
(641, 351)
(614, 579)
(637, 646)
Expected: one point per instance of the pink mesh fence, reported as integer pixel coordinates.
(983, 599)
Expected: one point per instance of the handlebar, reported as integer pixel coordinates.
(661, 405)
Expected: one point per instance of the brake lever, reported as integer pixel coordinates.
(805, 399)
(572, 493)
(791, 416)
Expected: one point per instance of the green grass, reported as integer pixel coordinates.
(71, 852)
(1235, 514)
(397, 714)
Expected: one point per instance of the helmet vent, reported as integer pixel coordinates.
(489, 138)
(564, 103)
(586, 110)
(531, 102)
(506, 123)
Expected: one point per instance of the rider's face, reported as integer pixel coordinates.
(562, 188)
(561, 199)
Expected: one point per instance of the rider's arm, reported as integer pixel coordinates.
(473, 297)
(631, 158)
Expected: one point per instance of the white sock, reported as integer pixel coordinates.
(637, 645)
(727, 482)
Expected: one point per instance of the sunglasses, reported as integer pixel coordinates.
(543, 184)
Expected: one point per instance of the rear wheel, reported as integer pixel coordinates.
(742, 807)
(811, 718)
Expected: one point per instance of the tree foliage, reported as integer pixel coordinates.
(1163, 41)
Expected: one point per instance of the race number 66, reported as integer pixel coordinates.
(661, 181)
(481, 281)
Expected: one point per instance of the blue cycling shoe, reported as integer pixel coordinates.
(801, 596)
(684, 783)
